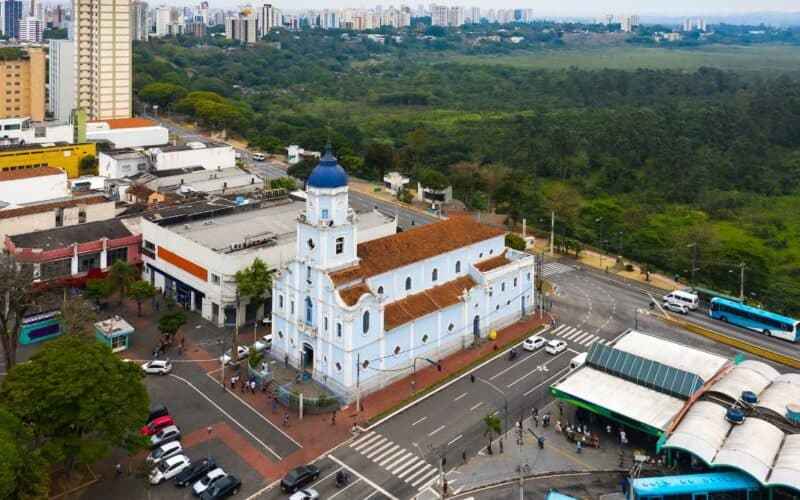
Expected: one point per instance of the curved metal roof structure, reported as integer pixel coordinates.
(702, 431)
(751, 447)
(786, 471)
(748, 375)
(785, 389)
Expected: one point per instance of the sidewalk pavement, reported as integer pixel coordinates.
(558, 456)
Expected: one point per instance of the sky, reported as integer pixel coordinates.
(551, 8)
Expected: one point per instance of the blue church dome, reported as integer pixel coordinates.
(328, 174)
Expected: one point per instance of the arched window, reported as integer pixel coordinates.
(309, 311)
(365, 321)
(408, 283)
(380, 290)
(434, 274)
(458, 266)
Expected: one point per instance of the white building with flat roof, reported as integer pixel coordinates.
(209, 155)
(121, 163)
(193, 251)
(33, 185)
(128, 132)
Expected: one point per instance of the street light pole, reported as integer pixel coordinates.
(358, 382)
(552, 230)
(741, 281)
(502, 394)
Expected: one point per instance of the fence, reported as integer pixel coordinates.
(321, 404)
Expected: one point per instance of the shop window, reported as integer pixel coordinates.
(408, 283)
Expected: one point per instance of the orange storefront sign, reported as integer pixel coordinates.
(181, 263)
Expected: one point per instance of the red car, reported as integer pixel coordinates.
(156, 425)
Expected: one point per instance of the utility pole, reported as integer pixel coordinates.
(741, 280)
(693, 246)
(552, 231)
(358, 382)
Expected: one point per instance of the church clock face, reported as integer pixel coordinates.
(310, 243)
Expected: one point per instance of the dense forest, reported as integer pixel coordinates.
(644, 163)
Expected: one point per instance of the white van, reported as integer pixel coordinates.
(683, 298)
(259, 157)
(578, 360)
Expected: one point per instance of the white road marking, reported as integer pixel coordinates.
(366, 480)
(411, 469)
(567, 332)
(418, 421)
(557, 374)
(476, 406)
(374, 445)
(379, 450)
(537, 369)
(573, 335)
(392, 456)
(343, 489)
(415, 461)
(324, 478)
(364, 443)
(399, 464)
(436, 430)
(592, 341)
(422, 478)
(514, 365)
(559, 328)
(461, 396)
(581, 338)
(424, 472)
(370, 495)
(218, 407)
(455, 439)
(382, 455)
(361, 439)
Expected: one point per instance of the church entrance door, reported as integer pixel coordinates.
(308, 357)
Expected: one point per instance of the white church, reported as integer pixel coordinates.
(357, 316)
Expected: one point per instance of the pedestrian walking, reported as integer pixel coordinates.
(274, 405)
(501, 446)
(578, 446)
(536, 421)
(333, 417)
(464, 456)
(253, 386)
(560, 409)
(286, 419)
(608, 429)
(118, 468)
(535, 412)
(286, 361)
(540, 441)
(472, 377)
(623, 438)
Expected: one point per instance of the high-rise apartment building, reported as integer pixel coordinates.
(455, 16)
(163, 18)
(12, 13)
(268, 18)
(140, 28)
(22, 81)
(241, 28)
(104, 58)
(474, 15)
(439, 15)
(62, 79)
(31, 29)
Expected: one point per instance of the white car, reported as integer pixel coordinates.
(164, 451)
(532, 343)
(157, 367)
(259, 157)
(204, 483)
(242, 351)
(306, 494)
(264, 343)
(165, 435)
(675, 307)
(555, 346)
(169, 468)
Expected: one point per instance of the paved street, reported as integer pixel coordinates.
(406, 218)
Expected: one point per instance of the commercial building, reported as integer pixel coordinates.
(128, 132)
(62, 79)
(120, 163)
(69, 211)
(71, 255)
(193, 251)
(356, 314)
(66, 157)
(19, 131)
(268, 18)
(22, 84)
(242, 28)
(140, 28)
(33, 185)
(104, 76)
(209, 155)
(12, 13)
(31, 29)
(225, 181)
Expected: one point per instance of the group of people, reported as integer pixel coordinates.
(246, 384)
(164, 344)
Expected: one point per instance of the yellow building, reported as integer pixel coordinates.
(64, 156)
(22, 83)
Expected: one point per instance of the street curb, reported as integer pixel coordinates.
(448, 383)
(545, 475)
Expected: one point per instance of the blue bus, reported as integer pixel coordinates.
(707, 486)
(753, 318)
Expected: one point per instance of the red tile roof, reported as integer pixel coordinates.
(351, 294)
(487, 265)
(421, 304)
(46, 207)
(420, 243)
(27, 173)
(129, 123)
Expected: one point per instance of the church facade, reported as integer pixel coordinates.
(357, 316)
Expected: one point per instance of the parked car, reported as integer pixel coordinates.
(299, 477)
(156, 425)
(555, 346)
(264, 343)
(259, 157)
(169, 468)
(305, 494)
(157, 367)
(164, 451)
(222, 488)
(676, 307)
(192, 474)
(532, 343)
(165, 435)
(158, 410)
(203, 484)
(242, 352)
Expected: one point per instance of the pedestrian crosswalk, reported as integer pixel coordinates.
(552, 268)
(394, 459)
(577, 336)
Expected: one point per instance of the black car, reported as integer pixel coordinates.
(299, 477)
(222, 488)
(156, 411)
(194, 472)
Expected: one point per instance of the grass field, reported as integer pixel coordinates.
(760, 58)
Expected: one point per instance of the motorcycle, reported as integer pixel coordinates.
(342, 479)
(512, 354)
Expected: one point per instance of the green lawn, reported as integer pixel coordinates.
(762, 58)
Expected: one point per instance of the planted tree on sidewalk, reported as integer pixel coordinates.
(252, 282)
(121, 275)
(23, 471)
(79, 400)
(17, 297)
(77, 317)
(493, 425)
(170, 322)
(98, 290)
(140, 291)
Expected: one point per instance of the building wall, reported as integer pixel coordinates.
(22, 86)
(21, 130)
(140, 29)
(138, 137)
(34, 189)
(113, 168)
(209, 158)
(104, 60)
(12, 13)
(67, 158)
(42, 221)
(62, 79)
